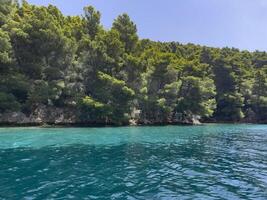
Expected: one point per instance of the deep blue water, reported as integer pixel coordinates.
(172, 162)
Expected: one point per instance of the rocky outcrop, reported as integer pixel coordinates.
(69, 116)
(16, 118)
(54, 115)
(41, 115)
(189, 119)
(176, 118)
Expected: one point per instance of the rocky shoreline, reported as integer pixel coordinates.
(50, 115)
(47, 117)
(20, 119)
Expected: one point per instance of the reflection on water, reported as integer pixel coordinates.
(205, 162)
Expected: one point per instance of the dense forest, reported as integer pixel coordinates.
(70, 69)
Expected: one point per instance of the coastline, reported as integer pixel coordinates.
(99, 125)
(68, 118)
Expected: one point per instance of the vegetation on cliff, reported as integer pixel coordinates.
(60, 61)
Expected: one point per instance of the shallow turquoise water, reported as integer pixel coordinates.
(172, 162)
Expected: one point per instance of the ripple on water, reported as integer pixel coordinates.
(209, 163)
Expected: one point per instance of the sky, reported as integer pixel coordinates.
(218, 23)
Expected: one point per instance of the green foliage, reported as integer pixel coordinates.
(92, 20)
(196, 96)
(230, 107)
(8, 102)
(5, 52)
(41, 93)
(93, 110)
(259, 95)
(39, 42)
(47, 58)
(16, 84)
(6, 9)
(127, 30)
(115, 93)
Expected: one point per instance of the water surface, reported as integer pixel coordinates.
(172, 162)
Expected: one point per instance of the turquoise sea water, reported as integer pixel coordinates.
(172, 162)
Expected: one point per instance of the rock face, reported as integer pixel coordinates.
(67, 116)
(15, 118)
(176, 118)
(41, 115)
(188, 119)
(53, 115)
(70, 116)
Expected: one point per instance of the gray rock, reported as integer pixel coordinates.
(41, 115)
(14, 117)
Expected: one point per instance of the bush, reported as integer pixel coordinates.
(8, 102)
